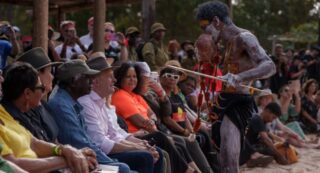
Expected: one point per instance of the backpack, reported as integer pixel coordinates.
(140, 48)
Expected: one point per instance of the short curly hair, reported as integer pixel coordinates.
(207, 10)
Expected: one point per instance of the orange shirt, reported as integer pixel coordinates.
(128, 104)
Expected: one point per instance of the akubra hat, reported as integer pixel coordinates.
(37, 58)
(99, 63)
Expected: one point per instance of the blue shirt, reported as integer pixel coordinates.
(72, 125)
(5, 49)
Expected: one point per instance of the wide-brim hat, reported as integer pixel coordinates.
(99, 63)
(175, 63)
(157, 27)
(37, 58)
(74, 67)
(132, 30)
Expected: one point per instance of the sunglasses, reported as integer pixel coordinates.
(172, 76)
(41, 87)
(108, 30)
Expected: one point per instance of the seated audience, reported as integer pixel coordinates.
(23, 88)
(104, 130)
(177, 120)
(309, 107)
(139, 117)
(74, 82)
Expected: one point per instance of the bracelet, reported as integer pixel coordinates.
(57, 150)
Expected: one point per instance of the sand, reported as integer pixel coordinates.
(309, 162)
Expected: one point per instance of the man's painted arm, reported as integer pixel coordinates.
(265, 67)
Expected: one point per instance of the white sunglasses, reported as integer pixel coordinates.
(170, 75)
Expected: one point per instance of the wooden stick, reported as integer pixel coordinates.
(213, 77)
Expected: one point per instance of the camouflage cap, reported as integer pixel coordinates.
(157, 27)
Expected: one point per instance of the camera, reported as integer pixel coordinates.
(4, 29)
(154, 76)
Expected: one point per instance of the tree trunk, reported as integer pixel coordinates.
(148, 16)
(98, 27)
(40, 24)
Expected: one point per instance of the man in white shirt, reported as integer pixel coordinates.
(86, 40)
(102, 126)
(71, 43)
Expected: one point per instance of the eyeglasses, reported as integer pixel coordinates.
(109, 30)
(172, 76)
(41, 87)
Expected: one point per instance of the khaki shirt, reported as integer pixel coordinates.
(155, 57)
(133, 56)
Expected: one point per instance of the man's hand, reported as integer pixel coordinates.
(152, 150)
(76, 161)
(157, 88)
(91, 157)
(121, 38)
(231, 79)
(10, 33)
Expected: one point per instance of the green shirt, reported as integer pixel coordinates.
(292, 113)
(156, 57)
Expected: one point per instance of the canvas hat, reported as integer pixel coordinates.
(157, 27)
(132, 30)
(145, 69)
(99, 63)
(37, 58)
(176, 63)
(73, 67)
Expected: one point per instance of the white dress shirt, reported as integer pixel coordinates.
(101, 121)
(86, 40)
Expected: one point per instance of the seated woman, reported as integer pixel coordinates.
(177, 120)
(22, 87)
(290, 111)
(138, 115)
(309, 108)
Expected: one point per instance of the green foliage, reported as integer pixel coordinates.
(263, 17)
(272, 17)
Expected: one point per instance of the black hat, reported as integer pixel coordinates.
(73, 67)
(37, 58)
(185, 43)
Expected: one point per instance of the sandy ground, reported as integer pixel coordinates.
(309, 162)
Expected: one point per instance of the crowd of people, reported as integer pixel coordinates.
(73, 109)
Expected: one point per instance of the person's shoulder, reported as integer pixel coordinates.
(84, 37)
(84, 99)
(120, 95)
(246, 36)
